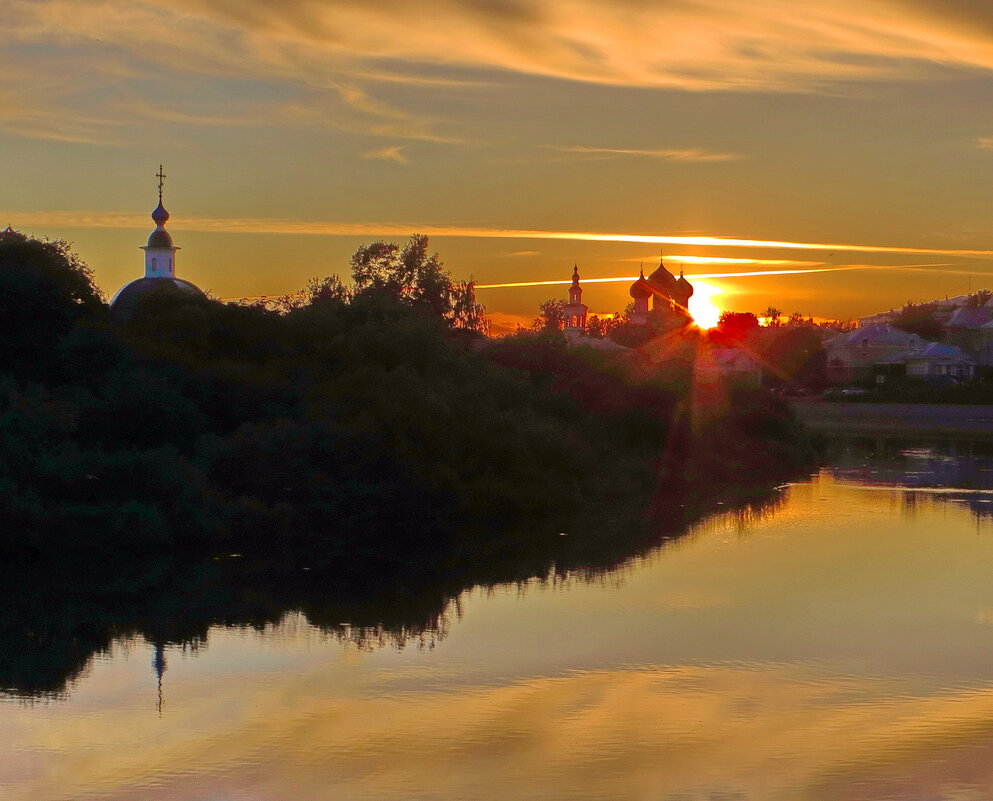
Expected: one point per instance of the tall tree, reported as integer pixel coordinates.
(410, 275)
(45, 289)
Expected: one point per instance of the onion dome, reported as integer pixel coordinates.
(641, 287)
(663, 280)
(159, 238)
(131, 296)
(685, 287)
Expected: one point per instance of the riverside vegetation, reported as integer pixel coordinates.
(370, 424)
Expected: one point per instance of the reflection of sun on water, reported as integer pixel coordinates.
(702, 308)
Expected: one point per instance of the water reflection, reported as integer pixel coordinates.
(828, 646)
(958, 471)
(54, 618)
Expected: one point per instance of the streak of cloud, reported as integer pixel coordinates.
(726, 260)
(748, 274)
(629, 278)
(668, 154)
(240, 225)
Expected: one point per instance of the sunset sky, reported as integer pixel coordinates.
(522, 136)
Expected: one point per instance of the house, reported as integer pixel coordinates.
(927, 361)
(965, 327)
(735, 366)
(852, 354)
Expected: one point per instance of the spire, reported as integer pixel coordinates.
(575, 310)
(160, 215)
(161, 176)
(160, 253)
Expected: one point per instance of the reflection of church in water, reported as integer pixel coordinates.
(661, 292)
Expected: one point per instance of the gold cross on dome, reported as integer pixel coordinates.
(161, 176)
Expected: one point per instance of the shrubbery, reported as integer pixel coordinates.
(369, 422)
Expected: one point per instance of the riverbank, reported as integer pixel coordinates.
(910, 419)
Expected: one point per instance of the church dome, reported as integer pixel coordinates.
(130, 296)
(641, 288)
(160, 215)
(159, 238)
(685, 287)
(663, 280)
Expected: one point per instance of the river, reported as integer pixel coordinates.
(835, 643)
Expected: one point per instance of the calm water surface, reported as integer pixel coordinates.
(838, 645)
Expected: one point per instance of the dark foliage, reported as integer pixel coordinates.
(365, 423)
(920, 319)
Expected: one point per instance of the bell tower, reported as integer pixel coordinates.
(574, 312)
(160, 253)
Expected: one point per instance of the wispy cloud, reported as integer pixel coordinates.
(57, 49)
(668, 154)
(394, 153)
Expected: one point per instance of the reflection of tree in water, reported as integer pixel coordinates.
(944, 470)
(55, 618)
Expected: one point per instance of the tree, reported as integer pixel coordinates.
(329, 288)
(737, 326)
(919, 318)
(45, 290)
(409, 275)
(550, 317)
(772, 317)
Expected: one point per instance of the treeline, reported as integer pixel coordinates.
(371, 422)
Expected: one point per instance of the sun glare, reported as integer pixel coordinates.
(703, 310)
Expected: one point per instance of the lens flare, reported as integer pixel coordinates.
(703, 310)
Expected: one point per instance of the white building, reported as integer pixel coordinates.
(160, 269)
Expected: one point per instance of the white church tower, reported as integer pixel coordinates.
(160, 253)
(160, 270)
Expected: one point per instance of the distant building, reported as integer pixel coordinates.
(852, 354)
(574, 315)
(160, 269)
(927, 361)
(966, 328)
(664, 290)
(880, 318)
(735, 366)
(574, 312)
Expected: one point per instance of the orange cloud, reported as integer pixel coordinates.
(324, 49)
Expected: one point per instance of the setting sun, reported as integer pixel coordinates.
(702, 308)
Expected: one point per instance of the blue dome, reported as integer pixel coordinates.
(130, 296)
